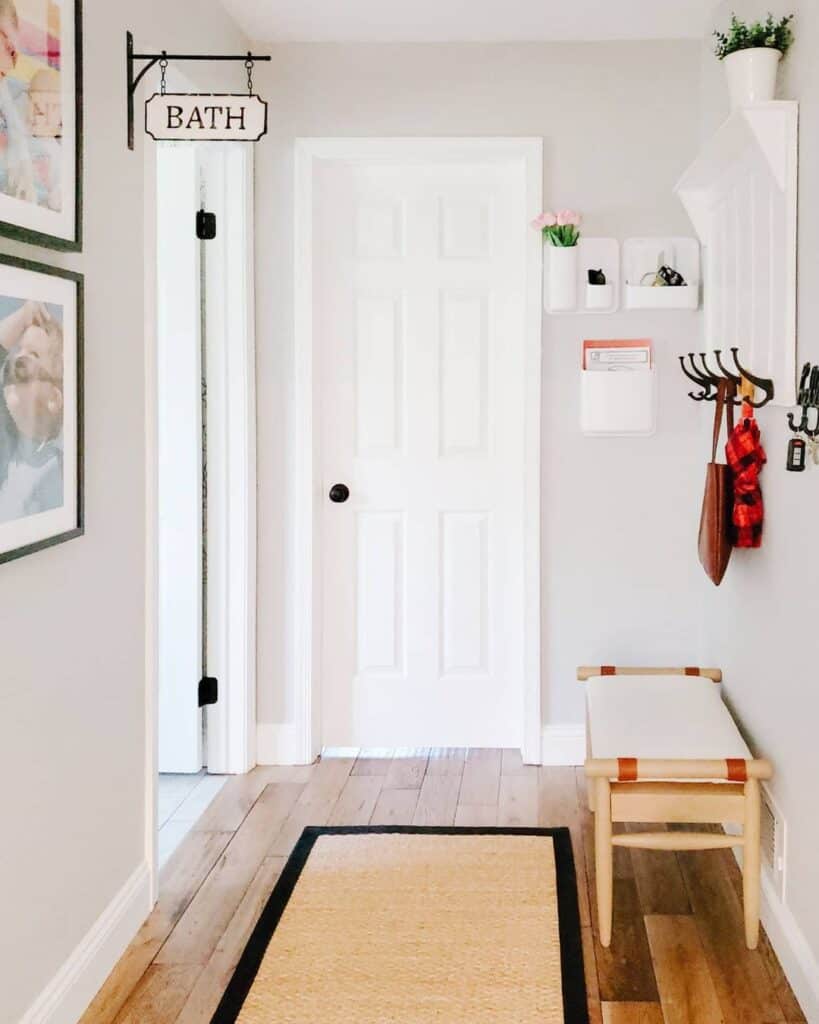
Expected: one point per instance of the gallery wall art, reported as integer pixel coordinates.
(41, 122)
(41, 429)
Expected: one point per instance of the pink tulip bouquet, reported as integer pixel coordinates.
(560, 229)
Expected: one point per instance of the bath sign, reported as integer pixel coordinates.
(206, 118)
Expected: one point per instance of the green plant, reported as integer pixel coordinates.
(776, 35)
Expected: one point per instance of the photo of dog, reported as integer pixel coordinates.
(31, 409)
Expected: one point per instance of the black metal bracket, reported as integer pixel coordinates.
(152, 59)
(208, 691)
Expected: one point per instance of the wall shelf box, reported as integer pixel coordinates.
(741, 196)
(592, 253)
(642, 256)
(620, 401)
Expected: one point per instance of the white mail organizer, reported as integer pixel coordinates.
(618, 385)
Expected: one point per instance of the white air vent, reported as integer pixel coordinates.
(773, 843)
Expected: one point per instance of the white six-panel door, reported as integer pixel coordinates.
(419, 313)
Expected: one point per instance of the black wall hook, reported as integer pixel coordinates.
(808, 399)
(709, 381)
(699, 381)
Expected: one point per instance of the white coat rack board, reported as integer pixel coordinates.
(741, 195)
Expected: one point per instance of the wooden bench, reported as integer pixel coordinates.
(662, 747)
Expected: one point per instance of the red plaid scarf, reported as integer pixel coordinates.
(746, 457)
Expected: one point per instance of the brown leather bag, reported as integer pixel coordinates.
(717, 503)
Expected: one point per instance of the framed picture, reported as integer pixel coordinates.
(41, 428)
(41, 122)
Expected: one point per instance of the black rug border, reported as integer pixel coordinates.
(575, 1009)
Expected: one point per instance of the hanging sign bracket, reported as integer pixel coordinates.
(213, 118)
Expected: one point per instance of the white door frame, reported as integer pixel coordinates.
(308, 497)
(231, 346)
(232, 457)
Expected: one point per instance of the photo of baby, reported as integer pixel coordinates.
(31, 408)
(31, 125)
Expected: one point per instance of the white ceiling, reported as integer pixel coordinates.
(469, 20)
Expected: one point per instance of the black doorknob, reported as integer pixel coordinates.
(339, 493)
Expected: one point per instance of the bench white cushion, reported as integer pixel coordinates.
(660, 717)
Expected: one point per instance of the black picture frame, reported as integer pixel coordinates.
(21, 233)
(77, 530)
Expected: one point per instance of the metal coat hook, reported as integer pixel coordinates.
(702, 375)
(699, 381)
(704, 379)
(808, 399)
(714, 378)
(152, 59)
(763, 383)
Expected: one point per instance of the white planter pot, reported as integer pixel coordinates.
(562, 278)
(751, 75)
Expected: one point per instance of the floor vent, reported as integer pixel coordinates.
(773, 843)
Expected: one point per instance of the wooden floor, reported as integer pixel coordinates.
(677, 957)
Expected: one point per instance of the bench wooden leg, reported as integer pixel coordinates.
(590, 786)
(751, 866)
(603, 858)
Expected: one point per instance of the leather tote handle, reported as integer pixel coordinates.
(726, 392)
(720, 402)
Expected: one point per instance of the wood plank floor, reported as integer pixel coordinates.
(678, 955)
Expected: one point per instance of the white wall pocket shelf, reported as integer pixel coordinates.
(741, 196)
(619, 396)
(642, 257)
(565, 277)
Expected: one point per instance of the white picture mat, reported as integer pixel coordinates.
(32, 285)
(30, 216)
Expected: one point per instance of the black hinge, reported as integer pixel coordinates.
(205, 226)
(208, 691)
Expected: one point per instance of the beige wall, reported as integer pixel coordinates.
(620, 123)
(761, 624)
(72, 681)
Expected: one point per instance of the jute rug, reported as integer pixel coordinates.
(413, 926)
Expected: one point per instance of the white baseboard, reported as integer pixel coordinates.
(798, 962)
(797, 958)
(279, 744)
(68, 994)
(564, 745)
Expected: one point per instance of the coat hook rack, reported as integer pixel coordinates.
(152, 59)
(708, 381)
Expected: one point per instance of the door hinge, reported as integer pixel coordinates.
(205, 226)
(208, 691)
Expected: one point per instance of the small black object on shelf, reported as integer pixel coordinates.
(709, 381)
(597, 276)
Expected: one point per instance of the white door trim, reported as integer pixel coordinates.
(235, 728)
(231, 722)
(307, 495)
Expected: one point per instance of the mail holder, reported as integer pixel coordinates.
(618, 402)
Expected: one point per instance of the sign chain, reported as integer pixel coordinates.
(163, 67)
(249, 66)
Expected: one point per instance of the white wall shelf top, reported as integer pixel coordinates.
(741, 196)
